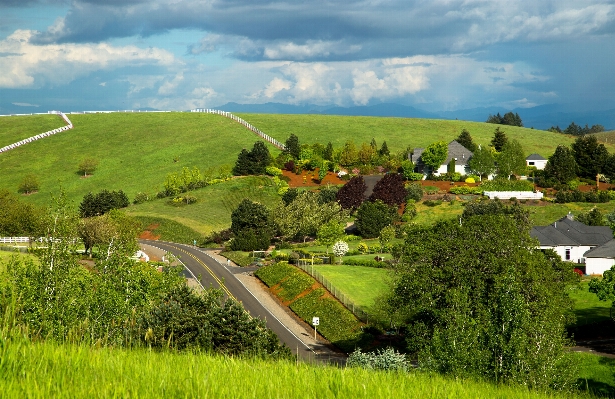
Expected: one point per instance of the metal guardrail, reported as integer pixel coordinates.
(339, 295)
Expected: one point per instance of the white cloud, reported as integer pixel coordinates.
(25, 105)
(33, 66)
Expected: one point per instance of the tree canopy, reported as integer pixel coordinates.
(372, 217)
(499, 139)
(511, 160)
(252, 162)
(477, 300)
(561, 165)
(482, 162)
(390, 190)
(465, 139)
(352, 194)
(508, 119)
(435, 154)
(590, 155)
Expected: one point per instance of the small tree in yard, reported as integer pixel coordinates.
(340, 249)
(29, 184)
(292, 146)
(435, 154)
(386, 235)
(482, 162)
(87, 166)
(329, 233)
(352, 194)
(465, 139)
(512, 159)
(372, 217)
(499, 139)
(390, 190)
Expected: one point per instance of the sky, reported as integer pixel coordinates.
(437, 55)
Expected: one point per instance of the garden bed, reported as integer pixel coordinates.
(311, 179)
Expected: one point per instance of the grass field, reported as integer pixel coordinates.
(16, 128)
(214, 205)
(361, 284)
(399, 133)
(45, 370)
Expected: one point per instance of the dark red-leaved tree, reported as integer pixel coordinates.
(390, 190)
(351, 195)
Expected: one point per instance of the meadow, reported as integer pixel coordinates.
(16, 128)
(45, 369)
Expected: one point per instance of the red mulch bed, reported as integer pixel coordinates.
(310, 179)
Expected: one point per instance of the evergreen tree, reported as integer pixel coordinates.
(293, 147)
(499, 139)
(260, 158)
(243, 165)
(561, 165)
(373, 144)
(590, 155)
(384, 150)
(465, 139)
(328, 152)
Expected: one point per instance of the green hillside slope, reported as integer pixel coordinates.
(16, 128)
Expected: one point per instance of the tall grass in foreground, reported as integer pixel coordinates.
(65, 371)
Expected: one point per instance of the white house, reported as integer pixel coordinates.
(536, 160)
(455, 151)
(573, 240)
(600, 259)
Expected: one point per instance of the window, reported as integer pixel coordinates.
(567, 253)
(531, 163)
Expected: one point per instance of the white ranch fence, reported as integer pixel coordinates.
(244, 123)
(69, 125)
(504, 195)
(14, 240)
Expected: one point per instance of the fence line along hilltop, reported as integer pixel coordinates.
(69, 125)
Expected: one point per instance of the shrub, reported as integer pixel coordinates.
(432, 203)
(273, 171)
(372, 217)
(249, 240)
(470, 180)
(362, 248)
(431, 189)
(365, 263)
(414, 192)
(387, 360)
(140, 198)
(410, 210)
(29, 184)
(465, 190)
(273, 274)
(101, 203)
(507, 185)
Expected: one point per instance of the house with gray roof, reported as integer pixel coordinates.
(573, 240)
(600, 259)
(456, 151)
(536, 160)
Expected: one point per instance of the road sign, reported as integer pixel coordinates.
(315, 321)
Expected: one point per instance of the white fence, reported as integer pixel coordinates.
(243, 122)
(513, 194)
(42, 135)
(14, 240)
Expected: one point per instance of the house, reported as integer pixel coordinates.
(573, 241)
(536, 160)
(456, 151)
(600, 259)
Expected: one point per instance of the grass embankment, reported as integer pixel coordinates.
(587, 307)
(44, 370)
(16, 128)
(307, 299)
(214, 205)
(399, 133)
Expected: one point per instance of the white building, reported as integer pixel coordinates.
(536, 160)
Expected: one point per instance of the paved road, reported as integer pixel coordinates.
(210, 273)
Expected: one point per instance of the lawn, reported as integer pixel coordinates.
(596, 374)
(361, 284)
(16, 128)
(214, 205)
(587, 307)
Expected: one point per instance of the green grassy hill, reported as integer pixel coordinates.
(137, 150)
(16, 128)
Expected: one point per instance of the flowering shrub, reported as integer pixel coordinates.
(362, 248)
(340, 248)
(388, 359)
(470, 180)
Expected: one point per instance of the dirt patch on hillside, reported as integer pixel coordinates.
(310, 179)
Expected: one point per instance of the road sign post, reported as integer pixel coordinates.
(315, 322)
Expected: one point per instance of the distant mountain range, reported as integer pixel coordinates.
(540, 117)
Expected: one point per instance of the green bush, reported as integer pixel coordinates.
(432, 203)
(140, 198)
(431, 189)
(414, 192)
(273, 171)
(414, 176)
(337, 323)
(465, 190)
(387, 360)
(239, 257)
(365, 263)
(273, 274)
(507, 185)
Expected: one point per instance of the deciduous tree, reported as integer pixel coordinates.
(352, 194)
(512, 159)
(435, 154)
(29, 184)
(87, 166)
(372, 217)
(390, 190)
(482, 162)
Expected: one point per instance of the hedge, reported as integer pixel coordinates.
(466, 190)
(238, 257)
(365, 262)
(337, 323)
(294, 285)
(564, 196)
(507, 185)
(273, 274)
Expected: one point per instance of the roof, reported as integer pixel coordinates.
(461, 154)
(604, 251)
(535, 157)
(455, 150)
(567, 231)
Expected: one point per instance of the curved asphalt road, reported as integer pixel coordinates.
(210, 273)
